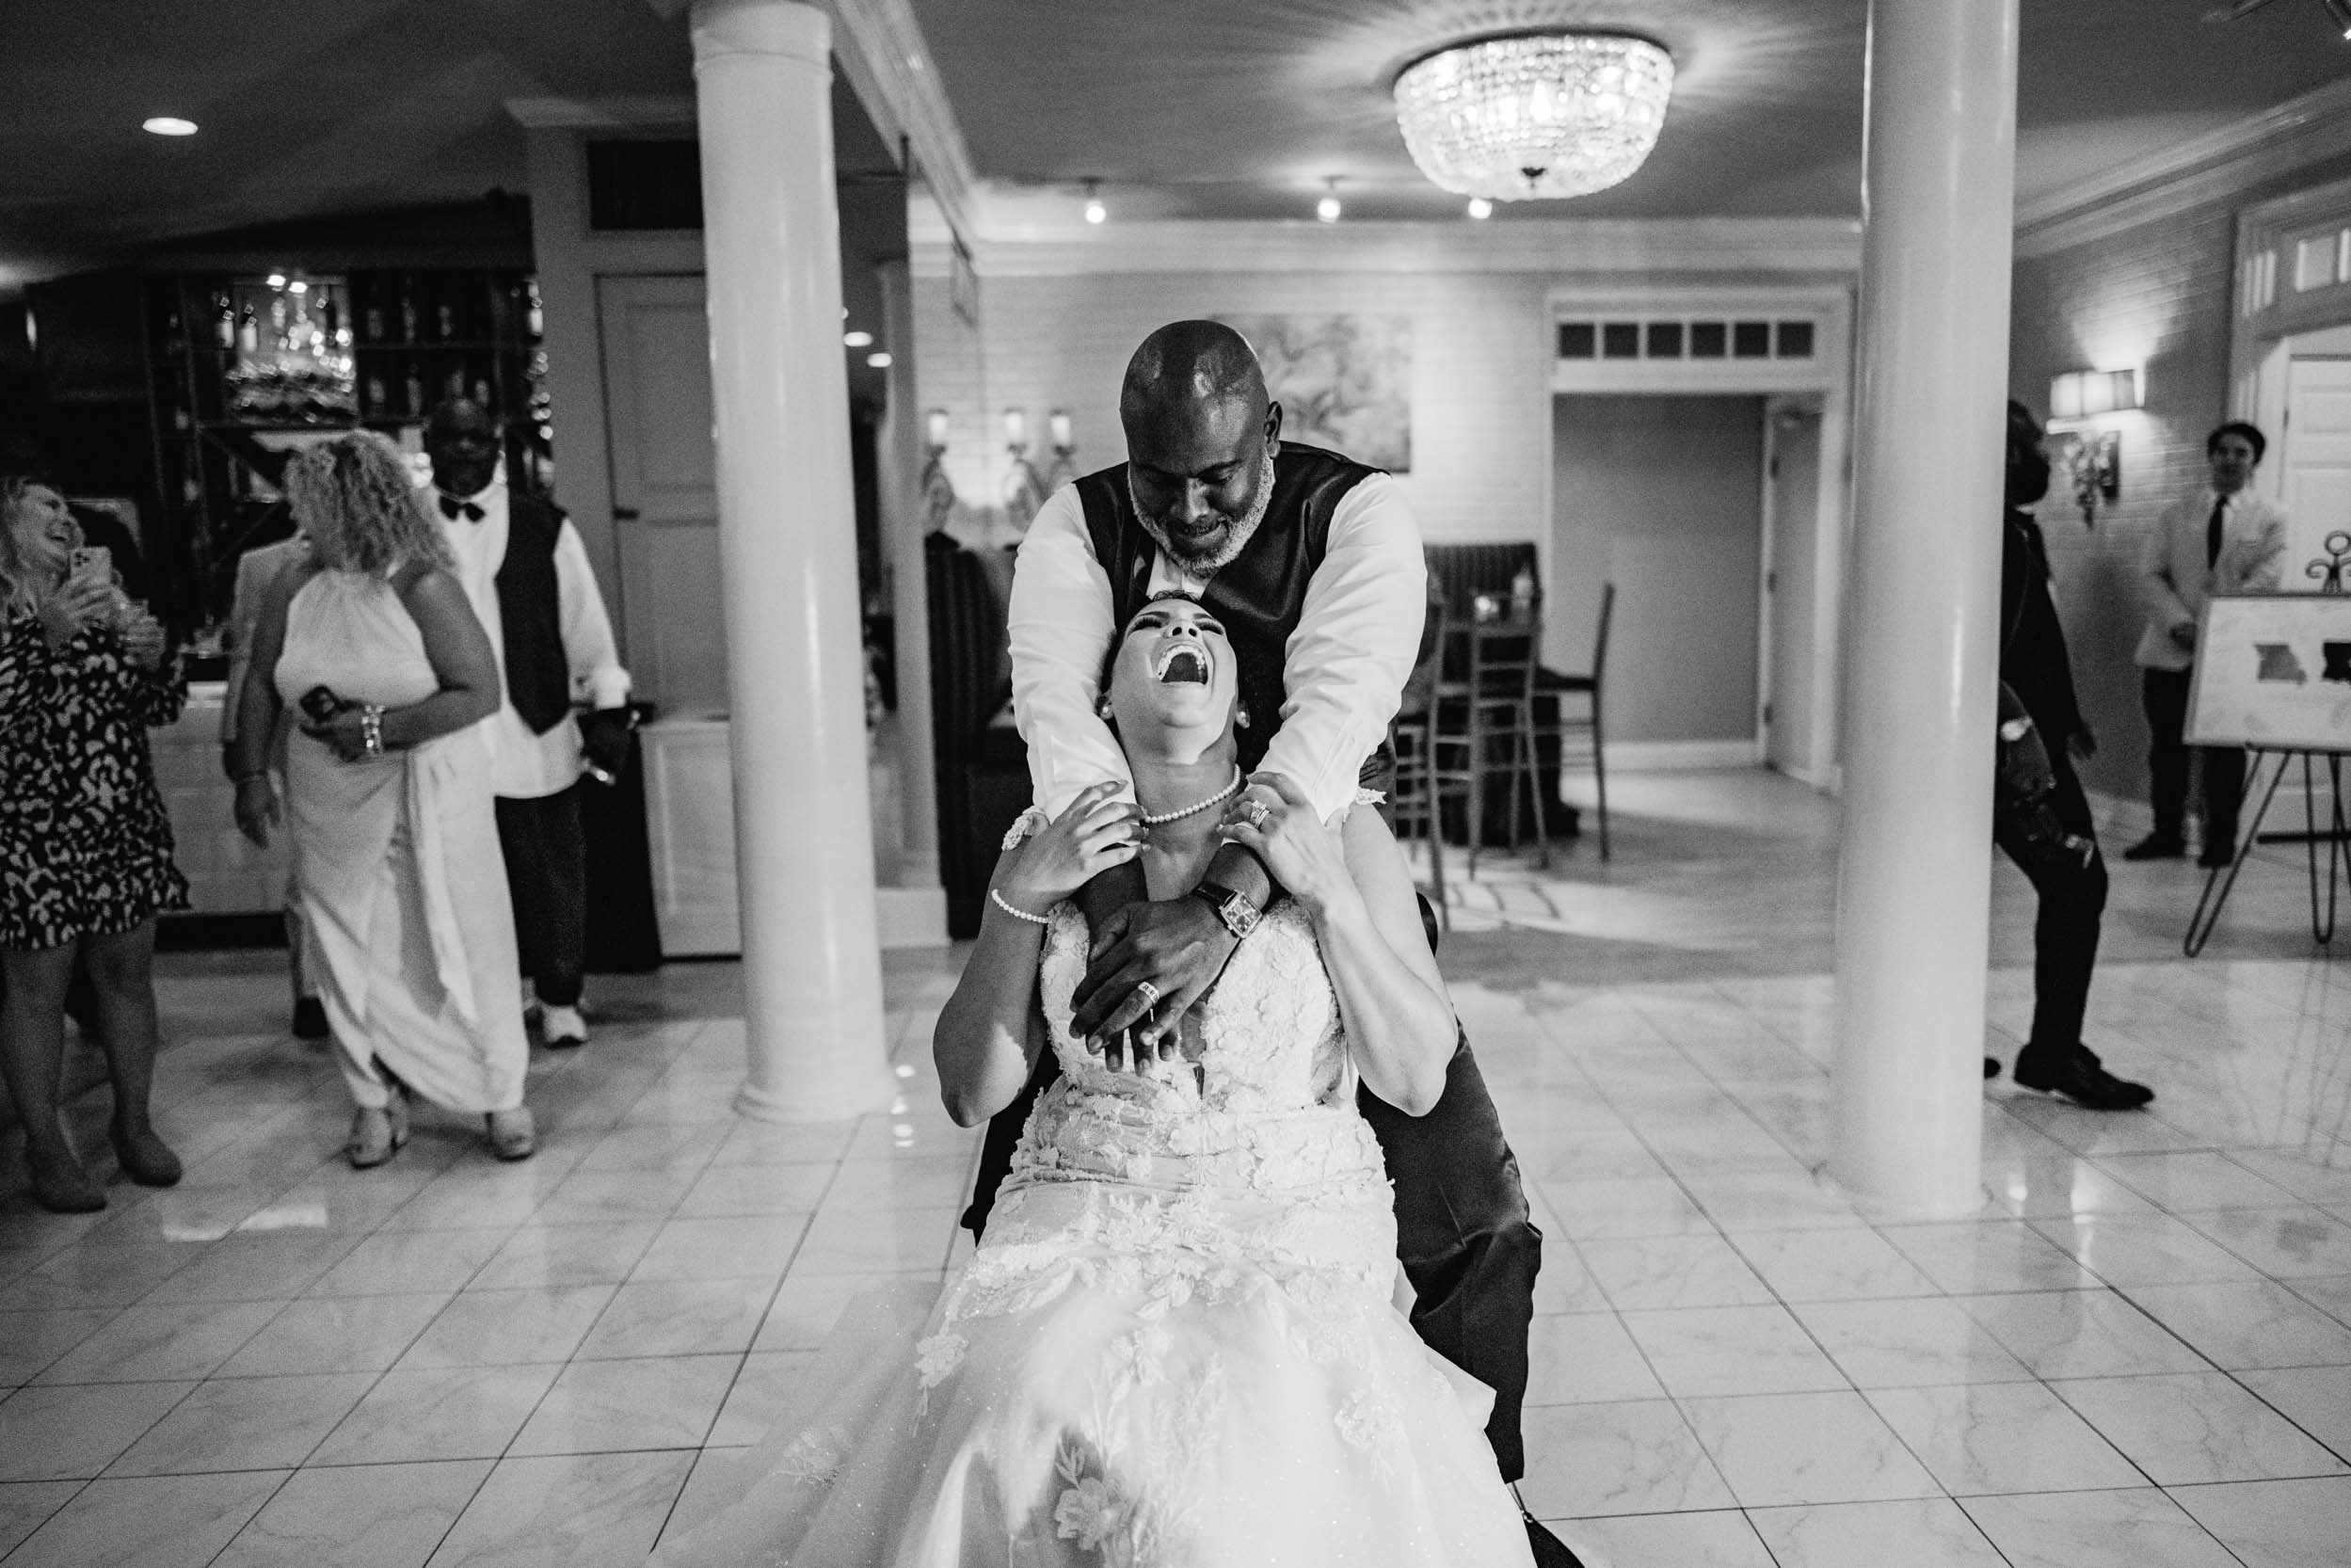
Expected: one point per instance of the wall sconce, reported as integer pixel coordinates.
(1024, 487)
(1064, 468)
(938, 490)
(2087, 393)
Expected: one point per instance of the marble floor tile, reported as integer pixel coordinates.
(608, 1406)
(2190, 1427)
(1888, 1344)
(756, 1190)
(245, 1424)
(1732, 1349)
(1789, 1448)
(2136, 1527)
(1786, 1198)
(148, 1521)
(806, 1307)
(757, 1246)
(2000, 1255)
(2302, 1241)
(357, 1516)
(2254, 1323)
(1718, 1538)
(713, 1317)
(360, 1333)
(2001, 1437)
(497, 1328)
(2145, 1249)
(578, 1511)
(688, 1147)
(1639, 1457)
(1923, 1532)
(2037, 1187)
(759, 1398)
(438, 1413)
(29, 1341)
(750, 1143)
(2279, 1524)
(1565, 1281)
(25, 1503)
(851, 1241)
(97, 1276)
(162, 1342)
(1832, 1265)
(1673, 1270)
(400, 1261)
(2082, 1334)
(1640, 1205)
(1585, 1357)
(2193, 1181)
(2316, 1398)
(61, 1432)
(256, 1266)
(587, 1196)
(2332, 1295)
(899, 1183)
(2298, 1174)
(537, 1257)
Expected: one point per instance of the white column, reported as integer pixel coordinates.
(904, 524)
(1913, 892)
(803, 855)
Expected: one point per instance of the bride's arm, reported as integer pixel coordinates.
(1355, 887)
(990, 1030)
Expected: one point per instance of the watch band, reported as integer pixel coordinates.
(1233, 907)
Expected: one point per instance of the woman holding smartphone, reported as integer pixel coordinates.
(373, 645)
(85, 844)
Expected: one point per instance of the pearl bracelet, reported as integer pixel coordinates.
(1017, 914)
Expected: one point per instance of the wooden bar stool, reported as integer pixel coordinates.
(1484, 721)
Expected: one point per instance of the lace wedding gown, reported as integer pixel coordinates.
(1175, 1348)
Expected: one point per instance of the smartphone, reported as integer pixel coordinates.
(319, 704)
(90, 558)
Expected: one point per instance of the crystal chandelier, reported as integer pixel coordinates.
(1534, 115)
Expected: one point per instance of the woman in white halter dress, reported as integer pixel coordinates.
(389, 803)
(1176, 1346)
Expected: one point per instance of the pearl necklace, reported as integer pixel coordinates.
(1226, 793)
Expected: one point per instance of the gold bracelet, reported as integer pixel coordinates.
(1017, 914)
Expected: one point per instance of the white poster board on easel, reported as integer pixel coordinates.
(2273, 671)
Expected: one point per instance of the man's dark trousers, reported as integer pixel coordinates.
(546, 856)
(2065, 935)
(2166, 699)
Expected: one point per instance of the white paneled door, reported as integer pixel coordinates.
(657, 379)
(2316, 489)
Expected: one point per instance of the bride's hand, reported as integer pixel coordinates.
(1273, 818)
(1096, 832)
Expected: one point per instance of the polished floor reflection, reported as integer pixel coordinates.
(2138, 1353)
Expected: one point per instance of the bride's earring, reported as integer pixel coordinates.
(1241, 716)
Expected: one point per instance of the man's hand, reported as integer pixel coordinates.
(1178, 948)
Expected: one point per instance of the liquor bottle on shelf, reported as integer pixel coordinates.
(408, 310)
(445, 317)
(248, 330)
(174, 334)
(279, 337)
(224, 322)
(481, 390)
(374, 318)
(534, 313)
(415, 390)
(378, 397)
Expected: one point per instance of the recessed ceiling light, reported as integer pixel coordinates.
(1095, 212)
(168, 126)
(1480, 208)
(878, 361)
(857, 339)
(1328, 208)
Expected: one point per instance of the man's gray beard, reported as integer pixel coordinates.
(1236, 540)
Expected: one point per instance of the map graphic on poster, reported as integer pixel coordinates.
(2274, 671)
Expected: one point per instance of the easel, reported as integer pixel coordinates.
(2331, 573)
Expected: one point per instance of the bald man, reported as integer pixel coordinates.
(1314, 564)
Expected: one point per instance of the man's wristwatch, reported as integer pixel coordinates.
(1239, 916)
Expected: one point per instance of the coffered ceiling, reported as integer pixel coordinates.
(1208, 108)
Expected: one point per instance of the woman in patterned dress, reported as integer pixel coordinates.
(85, 845)
(1178, 1345)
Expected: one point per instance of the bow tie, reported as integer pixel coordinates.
(452, 508)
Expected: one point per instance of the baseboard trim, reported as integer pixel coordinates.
(1680, 756)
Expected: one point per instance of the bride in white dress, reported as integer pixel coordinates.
(1176, 1346)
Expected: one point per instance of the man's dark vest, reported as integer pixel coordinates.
(1260, 594)
(530, 615)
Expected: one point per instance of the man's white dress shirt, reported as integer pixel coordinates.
(1343, 669)
(524, 766)
(2175, 579)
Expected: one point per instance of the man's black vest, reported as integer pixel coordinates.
(530, 615)
(1259, 595)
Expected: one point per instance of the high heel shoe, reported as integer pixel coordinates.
(513, 1134)
(377, 1135)
(145, 1158)
(61, 1184)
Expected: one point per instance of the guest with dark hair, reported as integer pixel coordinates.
(85, 844)
(2222, 540)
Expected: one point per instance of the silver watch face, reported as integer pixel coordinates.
(1240, 915)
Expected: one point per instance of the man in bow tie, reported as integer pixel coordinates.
(528, 577)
